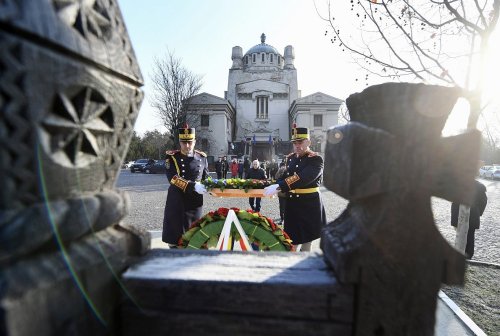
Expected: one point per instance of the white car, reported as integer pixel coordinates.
(127, 165)
(484, 170)
(493, 173)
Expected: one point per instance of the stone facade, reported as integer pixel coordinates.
(318, 111)
(213, 136)
(260, 105)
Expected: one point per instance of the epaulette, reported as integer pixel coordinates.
(201, 153)
(312, 154)
(290, 154)
(172, 152)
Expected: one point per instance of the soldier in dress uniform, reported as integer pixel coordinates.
(304, 212)
(185, 169)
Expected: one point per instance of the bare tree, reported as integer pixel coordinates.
(437, 41)
(173, 87)
(433, 41)
(343, 116)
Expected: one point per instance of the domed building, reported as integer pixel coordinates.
(260, 105)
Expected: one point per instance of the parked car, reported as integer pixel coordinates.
(493, 173)
(158, 167)
(127, 165)
(139, 165)
(484, 170)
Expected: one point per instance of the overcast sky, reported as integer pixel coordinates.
(202, 33)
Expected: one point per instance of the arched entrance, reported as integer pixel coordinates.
(262, 152)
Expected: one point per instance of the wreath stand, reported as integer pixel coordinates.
(225, 242)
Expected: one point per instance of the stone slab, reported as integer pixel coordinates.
(221, 292)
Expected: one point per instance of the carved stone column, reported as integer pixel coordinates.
(69, 96)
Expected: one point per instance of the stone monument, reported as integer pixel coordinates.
(388, 161)
(69, 96)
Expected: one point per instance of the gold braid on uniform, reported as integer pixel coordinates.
(179, 182)
(175, 163)
(292, 179)
(312, 154)
(201, 153)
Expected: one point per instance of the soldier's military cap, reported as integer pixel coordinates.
(299, 133)
(187, 134)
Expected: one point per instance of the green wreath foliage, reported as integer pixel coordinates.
(235, 183)
(260, 230)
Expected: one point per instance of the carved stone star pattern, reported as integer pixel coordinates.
(88, 17)
(78, 127)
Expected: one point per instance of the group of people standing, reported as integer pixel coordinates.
(240, 168)
(236, 167)
(299, 180)
(297, 184)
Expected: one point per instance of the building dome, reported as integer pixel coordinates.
(263, 47)
(261, 57)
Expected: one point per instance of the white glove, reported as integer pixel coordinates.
(271, 190)
(199, 188)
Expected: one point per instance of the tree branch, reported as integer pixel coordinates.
(461, 19)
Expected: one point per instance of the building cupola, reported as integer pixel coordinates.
(289, 57)
(237, 57)
(262, 57)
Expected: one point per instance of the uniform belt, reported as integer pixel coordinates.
(305, 191)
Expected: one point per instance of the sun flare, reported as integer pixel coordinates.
(457, 121)
(492, 73)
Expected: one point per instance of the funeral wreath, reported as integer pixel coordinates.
(261, 231)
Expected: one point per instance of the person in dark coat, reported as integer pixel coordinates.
(476, 211)
(218, 168)
(256, 173)
(273, 169)
(267, 168)
(304, 212)
(240, 169)
(246, 167)
(225, 167)
(185, 169)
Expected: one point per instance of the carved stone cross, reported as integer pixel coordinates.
(388, 161)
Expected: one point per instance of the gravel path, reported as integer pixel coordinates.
(148, 194)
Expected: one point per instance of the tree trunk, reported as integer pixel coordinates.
(462, 228)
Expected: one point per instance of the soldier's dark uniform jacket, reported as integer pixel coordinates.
(304, 212)
(184, 205)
